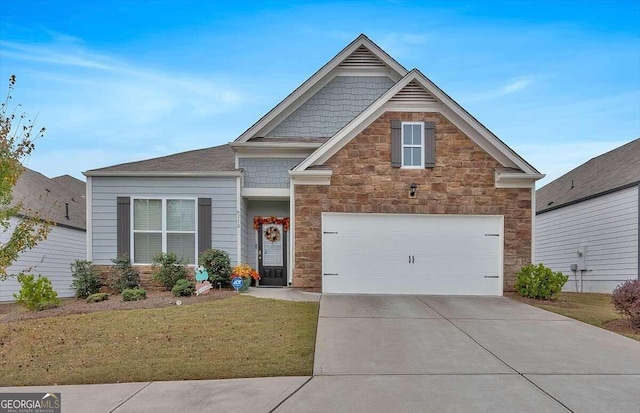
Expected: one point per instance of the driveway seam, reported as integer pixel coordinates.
(131, 397)
(502, 361)
(289, 396)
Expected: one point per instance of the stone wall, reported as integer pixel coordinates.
(363, 181)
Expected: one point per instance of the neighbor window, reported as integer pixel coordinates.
(164, 225)
(412, 145)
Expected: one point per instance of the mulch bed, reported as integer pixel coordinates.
(155, 299)
(556, 302)
(621, 326)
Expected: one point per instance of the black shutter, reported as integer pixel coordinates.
(204, 224)
(429, 144)
(396, 143)
(123, 223)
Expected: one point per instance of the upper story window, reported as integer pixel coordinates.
(164, 225)
(412, 144)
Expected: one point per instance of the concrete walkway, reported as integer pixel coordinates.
(414, 354)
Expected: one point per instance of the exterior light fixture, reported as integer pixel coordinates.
(412, 190)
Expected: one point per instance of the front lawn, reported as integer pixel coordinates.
(236, 337)
(591, 308)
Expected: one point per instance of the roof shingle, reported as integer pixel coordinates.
(615, 169)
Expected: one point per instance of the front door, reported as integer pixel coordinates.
(272, 255)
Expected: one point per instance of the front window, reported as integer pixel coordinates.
(412, 145)
(164, 225)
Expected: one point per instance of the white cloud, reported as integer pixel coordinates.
(516, 85)
(100, 110)
(513, 85)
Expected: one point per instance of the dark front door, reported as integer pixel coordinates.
(272, 255)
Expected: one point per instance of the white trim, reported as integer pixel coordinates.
(89, 215)
(428, 107)
(448, 107)
(236, 160)
(162, 174)
(163, 231)
(317, 78)
(311, 177)
(516, 179)
(266, 193)
(286, 146)
(256, 153)
(374, 72)
(412, 146)
(238, 221)
(533, 225)
(292, 226)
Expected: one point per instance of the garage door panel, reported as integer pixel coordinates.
(412, 254)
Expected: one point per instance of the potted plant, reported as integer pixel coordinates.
(245, 272)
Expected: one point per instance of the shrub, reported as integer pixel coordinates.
(218, 265)
(85, 279)
(123, 275)
(626, 300)
(36, 294)
(538, 281)
(97, 297)
(168, 269)
(183, 288)
(133, 294)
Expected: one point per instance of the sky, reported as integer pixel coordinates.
(119, 81)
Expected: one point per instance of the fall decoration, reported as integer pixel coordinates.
(272, 234)
(244, 270)
(257, 221)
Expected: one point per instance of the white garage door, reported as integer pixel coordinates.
(412, 254)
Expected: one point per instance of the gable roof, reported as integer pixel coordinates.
(48, 197)
(208, 161)
(360, 51)
(609, 172)
(416, 90)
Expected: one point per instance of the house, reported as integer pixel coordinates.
(62, 201)
(366, 179)
(587, 221)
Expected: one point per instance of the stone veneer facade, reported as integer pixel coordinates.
(363, 181)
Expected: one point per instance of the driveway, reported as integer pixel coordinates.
(458, 354)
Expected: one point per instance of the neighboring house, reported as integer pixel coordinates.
(588, 219)
(366, 179)
(62, 201)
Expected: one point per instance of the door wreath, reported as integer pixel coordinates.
(272, 234)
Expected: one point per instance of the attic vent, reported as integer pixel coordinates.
(362, 58)
(413, 92)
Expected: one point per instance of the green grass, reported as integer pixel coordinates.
(591, 308)
(237, 337)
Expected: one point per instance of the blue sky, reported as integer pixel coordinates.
(118, 81)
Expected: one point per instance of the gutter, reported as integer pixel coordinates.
(234, 173)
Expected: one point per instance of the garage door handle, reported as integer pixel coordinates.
(412, 259)
(491, 276)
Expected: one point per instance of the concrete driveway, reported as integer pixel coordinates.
(459, 354)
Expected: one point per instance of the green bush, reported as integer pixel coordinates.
(183, 288)
(123, 275)
(218, 265)
(97, 297)
(168, 269)
(85, 279)
(36, 294)
(626, 300)
(538, 281)
(133, 294)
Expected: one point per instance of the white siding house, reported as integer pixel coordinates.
(60, 200)
(587, 222)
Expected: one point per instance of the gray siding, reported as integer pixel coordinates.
(50, 258)
(244, 228)
(332, 107)
(265, 209)
(607, 226)
(267, 172)
(222, 192)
